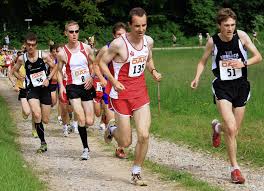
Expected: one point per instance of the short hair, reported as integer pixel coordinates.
(137, 11)
(225, 13)
(31, 36)
(118, 26)
(54, 47)
(70, 23)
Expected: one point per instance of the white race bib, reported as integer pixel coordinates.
(227, 72)
(99, 88)
(79, 76)
(137, 66)
(38, 78)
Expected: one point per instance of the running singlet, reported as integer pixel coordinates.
(77, 70)
(224, 52)
(21, 83)
(36, 72)
(131, 72)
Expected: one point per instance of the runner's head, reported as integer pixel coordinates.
(226, 20)
(118, 29)
(137, 22)
(72, 31)
(31, 42)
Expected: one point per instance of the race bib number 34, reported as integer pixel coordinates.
(38, 78)
(227, 72)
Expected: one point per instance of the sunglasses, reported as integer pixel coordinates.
(31, 44)
(76, 31)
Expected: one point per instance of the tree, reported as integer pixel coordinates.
(200, 16)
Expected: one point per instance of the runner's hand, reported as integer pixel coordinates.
(237, 64)
(156, 76)
(194, 83)
(103, 82)
(46, 83)
(62, 92)
(118, 86)
(88, 83)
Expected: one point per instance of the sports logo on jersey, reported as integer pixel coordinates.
(132, 53)
(139, 59)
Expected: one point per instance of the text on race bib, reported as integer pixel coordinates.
(38, 78)
(227, 72)
(137, 66)
(79, 76)
(99, 88)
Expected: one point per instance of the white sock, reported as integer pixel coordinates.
(75, 124)
(65, 127)
(218, 127)
(136, 169)
(232, 168)
(112, 128)
(59, 117)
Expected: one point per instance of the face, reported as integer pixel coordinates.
(73, 33)
(54, 53)
(227, 28)
(119, 32)
(31, 46)
(138, 26)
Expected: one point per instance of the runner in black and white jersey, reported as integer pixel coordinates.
(230, 88)
(37, 81)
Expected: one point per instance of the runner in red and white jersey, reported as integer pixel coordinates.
(77, 56)
(130, 55)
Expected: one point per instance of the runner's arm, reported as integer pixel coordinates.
(96, 67)
(256, 56)
(150, 63)
(17, 66)
(202, 63)
(53, 67)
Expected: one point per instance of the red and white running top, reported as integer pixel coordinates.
(77, 70)
(131, 72)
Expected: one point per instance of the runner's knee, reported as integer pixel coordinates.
(143, 137)
(89, 121)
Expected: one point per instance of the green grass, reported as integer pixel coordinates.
(15, 174)
(186, 114)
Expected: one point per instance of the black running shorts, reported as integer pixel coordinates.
(235, 91)
(22, 94)
(78, 91)
(41, 93)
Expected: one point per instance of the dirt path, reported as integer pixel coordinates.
(61, 169)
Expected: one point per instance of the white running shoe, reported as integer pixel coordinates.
(65, 131)
(102, 127)
(75, 130)
(85, 154)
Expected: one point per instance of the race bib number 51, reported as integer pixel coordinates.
(227, 72)
(38, 78)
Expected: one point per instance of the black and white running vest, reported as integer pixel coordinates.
(224, 51)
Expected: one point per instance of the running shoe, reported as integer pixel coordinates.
(107, 135)
(216, 137)
(65, 131)
(85, 154)
(43, 148)
(120, 153)
(237, 177)
(34, 133)
(60, 120)
(137, 180)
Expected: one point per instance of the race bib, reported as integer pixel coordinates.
(38, 78)
(227, 72)
(99, 88)
(137, 66)
(79, 76)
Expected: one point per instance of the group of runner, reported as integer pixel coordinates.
(113, 81)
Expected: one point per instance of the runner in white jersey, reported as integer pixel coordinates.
(78, 57)
(131, 54)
